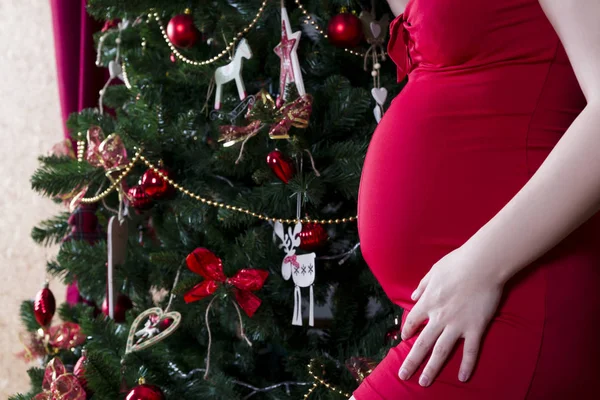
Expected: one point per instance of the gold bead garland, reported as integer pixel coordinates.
(218, 56)
(139, 156)
(117, 181)
(321, 381)
(310, 20)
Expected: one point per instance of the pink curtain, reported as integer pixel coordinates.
(79, 79)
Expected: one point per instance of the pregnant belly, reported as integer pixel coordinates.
(441, 163)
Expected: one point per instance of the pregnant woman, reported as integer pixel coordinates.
(479, 199)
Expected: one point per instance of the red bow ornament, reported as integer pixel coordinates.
(206, 264)
(400, 45)
(297, 113)
(60, 385)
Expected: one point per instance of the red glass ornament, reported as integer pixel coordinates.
(344, 30)
(394, 334)
(181, 31)
(145, 392)
(139, 199)
(312, 237)
(155, 186)
(122, 305)
(79, 372)
(44, 306)
(281, 165)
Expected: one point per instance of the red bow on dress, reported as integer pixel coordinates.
(400, 44)
(60, 385)
(203, 262)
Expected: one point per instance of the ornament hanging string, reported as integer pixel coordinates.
(114, 67)
(206, 320)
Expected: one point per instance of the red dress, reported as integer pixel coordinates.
(490, 92)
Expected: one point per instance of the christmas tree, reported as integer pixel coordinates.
(228, 211)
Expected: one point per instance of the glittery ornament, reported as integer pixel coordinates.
(312, 237)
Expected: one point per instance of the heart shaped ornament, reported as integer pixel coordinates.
(158, 326)
(380, 95)
(377, 113)
(114, 69)
(375, 29)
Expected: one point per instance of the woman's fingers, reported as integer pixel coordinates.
(413, 320)
(470, 352)
(443, 346)
(419, 351)
(421, 288)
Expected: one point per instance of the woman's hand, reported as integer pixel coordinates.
(459, 297)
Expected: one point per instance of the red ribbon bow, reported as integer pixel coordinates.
(59, 385)
(203, 262)
(399, 45)
(108, 153)
(293, 259)
(297, 113)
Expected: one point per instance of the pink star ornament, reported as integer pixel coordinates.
(287, 50)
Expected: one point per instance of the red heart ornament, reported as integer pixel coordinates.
(280, 165)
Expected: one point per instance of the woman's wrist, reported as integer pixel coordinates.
(487, 261)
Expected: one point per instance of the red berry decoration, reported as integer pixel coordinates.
(145, 392)
(44, 306)
(181, 31)
(281, 165)
(312, 236)
(122, 305)
(344, 30)
(155, 186)
(139, 199)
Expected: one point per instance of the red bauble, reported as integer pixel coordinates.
(44, 306)
(122, 305)
(281, 166)
(139, 199)
(394, 334)
(79, 371)
(312, 237)
(145, 392)
(181, 31)
(344, 30)
(155, 186)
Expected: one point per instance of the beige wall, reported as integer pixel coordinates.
(29, 125)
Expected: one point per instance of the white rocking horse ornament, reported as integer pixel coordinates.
(232, 71)
(300, 267)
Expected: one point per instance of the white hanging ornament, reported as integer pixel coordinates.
(375, 33)
(287, 50)
(301, 268)
(380, 95)
(232, 71)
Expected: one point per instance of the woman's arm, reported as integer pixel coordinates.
(562, 194)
